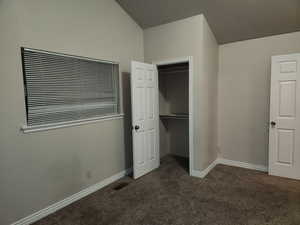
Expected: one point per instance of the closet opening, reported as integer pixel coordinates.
(175, 112)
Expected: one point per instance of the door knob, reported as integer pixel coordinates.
(273, 124)
(136, 127)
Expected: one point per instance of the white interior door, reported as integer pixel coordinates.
(145, 132)
(284, 145)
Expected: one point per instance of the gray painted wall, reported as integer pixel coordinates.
(42, 168)
(174, 98)
(39, 169)
(244, 92)
(191, 37)
(208, 85)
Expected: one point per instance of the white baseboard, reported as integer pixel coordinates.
(242, 164)
(203, 173)
(67, 201)
(227, 162)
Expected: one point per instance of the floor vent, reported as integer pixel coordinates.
(120, 186)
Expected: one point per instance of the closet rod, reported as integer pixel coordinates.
(174, 71)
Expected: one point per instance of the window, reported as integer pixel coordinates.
(62, 89)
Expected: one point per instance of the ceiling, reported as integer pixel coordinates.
(230, 20)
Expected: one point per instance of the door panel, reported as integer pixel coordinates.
(284, 145)
(144, 95)
(287, 101)
(140, 114)
(151, 102)
(140, 143)
(288, 67)
(152, 150)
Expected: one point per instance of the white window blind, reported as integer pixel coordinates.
(62, 88)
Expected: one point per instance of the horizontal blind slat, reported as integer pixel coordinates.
(61, 88)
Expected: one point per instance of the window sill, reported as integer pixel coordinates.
(33, 129)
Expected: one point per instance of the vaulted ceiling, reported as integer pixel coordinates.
(230, 20)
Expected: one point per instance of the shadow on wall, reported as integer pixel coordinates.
(126, 92)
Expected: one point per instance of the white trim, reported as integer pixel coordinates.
(172, 61)
(67, 201)
(120, 100)
(203, 173)
(227, 162)
(242, 164)
(157, 120)
(191, 114)
(283, 57)
(63, 203)
(188, 59)
(32, 129)
(71, 56)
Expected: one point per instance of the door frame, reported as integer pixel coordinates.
(188, 59)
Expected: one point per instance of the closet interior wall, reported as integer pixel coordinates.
(174, 109)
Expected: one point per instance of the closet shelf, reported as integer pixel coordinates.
(174, 71)
(178, 116)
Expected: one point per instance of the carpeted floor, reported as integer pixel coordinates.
(227, 196)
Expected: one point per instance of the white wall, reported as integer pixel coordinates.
(39, 169)
(244, 92)
(189, 37)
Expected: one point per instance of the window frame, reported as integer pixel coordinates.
(36, 128)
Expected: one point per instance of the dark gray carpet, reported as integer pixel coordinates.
(227, 196)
